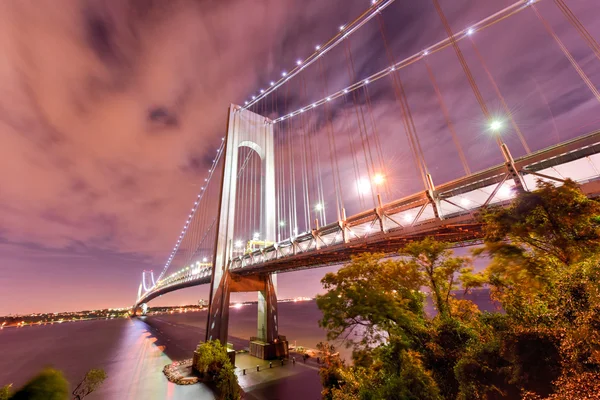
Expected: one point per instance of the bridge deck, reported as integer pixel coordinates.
(386, 228)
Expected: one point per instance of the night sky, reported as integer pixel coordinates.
(111, 112)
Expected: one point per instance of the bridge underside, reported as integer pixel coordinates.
(460, 231)
(383, 229)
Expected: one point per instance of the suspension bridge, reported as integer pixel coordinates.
(338, 157)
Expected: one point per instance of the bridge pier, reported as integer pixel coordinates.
(251, 130)
(141, 309)
(267, 344)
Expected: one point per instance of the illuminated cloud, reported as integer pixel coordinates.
(110, 112)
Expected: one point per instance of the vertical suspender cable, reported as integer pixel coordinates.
(352, 151)
(567, 54)
(407, 120)
(501, 97)
(360, 119)
(382, 166)
(449, 122)
(589, 39)
(463, 62)
(335, 169)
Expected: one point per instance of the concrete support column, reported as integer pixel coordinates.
(244, 129)
(267, 311)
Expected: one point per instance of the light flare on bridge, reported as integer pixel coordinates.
(357, 172)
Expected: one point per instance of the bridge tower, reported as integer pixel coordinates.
(245, 129)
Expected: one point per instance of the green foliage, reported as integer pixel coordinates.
(548, 231)
(437, 269)
(47, 385)
(483, 373)
(535, 358)
(547, 278)
(212, 363)
(545, 272)
(227, 383)
(330, 370)
(5, 392)
(399, 376)
(378, 298)
(92, 381)
(552, 224)
(572, 387)
(447, 343)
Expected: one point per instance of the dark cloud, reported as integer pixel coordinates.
(111, 112)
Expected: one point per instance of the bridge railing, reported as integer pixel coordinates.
(456, 199)
(456, 203)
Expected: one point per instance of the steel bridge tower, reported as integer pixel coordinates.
(245, 129)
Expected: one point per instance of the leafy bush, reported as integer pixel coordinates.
(212, 364)
(544, 272)
(92, 381)
(47, 385)
(227, 383)
(5, 392)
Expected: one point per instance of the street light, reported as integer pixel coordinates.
(495, 125)
(363, 186)
(378, 179)
(319, 207)
(239, 244)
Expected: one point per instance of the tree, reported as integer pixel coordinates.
(330, 370)
(92, 381)
(397, 374)
(374, 297)
(401, 351)
(545, 272)
(47, 385)
(540, 235)
(440, 271)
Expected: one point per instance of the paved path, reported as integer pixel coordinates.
(291, 381)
